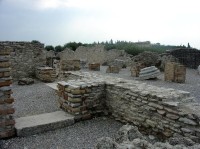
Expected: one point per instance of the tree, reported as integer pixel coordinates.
(188, 45)
(35, 41)
(49, 47)
(58, 48)
(72, 45)
(111, 41)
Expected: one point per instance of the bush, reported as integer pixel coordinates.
(49, 47)
(35, 41)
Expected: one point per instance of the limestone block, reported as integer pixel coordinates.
(94, 66)
(155, 105)
(172, 116)
(187, 121)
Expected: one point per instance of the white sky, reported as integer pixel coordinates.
(54, 22)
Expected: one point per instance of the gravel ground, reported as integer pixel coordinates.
(82, 135)
(34, 99)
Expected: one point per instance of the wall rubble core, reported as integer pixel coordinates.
(159, 111)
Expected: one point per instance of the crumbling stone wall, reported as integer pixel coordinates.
(7, 121)
(25, 57)
(95, 54)
(159, 111)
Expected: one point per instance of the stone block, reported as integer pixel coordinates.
(172, 116)
(94, 66)
(5, 64)
(25, 81)
(7, 111)
(157, 106)
(151, 123)
(7, 133)
(8, 122)
(30, 125)
(187, 121)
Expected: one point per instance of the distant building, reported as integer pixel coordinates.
(143, 43)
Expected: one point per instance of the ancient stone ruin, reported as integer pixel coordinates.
(154, 110)
(162, 112)
(95, 54)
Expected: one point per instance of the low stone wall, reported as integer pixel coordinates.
(7, 121)
(84, 100)
(159, 111)
(46, 74)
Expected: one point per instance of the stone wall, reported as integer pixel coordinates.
(159, 111)
(95, 54)
(7, 121)
(25, 57)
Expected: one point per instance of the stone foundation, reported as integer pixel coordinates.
(159, 111)
(7, 121)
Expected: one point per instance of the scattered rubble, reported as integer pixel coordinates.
(25, 81)
(128, 137)
(147, 59)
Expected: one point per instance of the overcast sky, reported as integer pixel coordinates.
(55, 22)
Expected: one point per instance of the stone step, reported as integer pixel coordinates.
(30, 125)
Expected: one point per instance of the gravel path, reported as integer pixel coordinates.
(82, 135)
